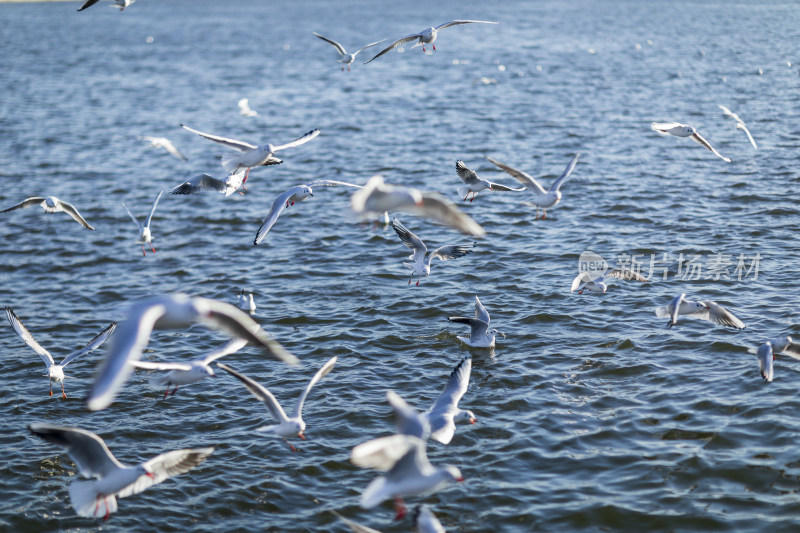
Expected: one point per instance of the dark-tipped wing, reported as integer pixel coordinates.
(259, 392)
(625, 274)
(701, 140)
(88, 3)
(469, 177)
(452, 251)
(338, 46)
(230, 143)
(409, 239)
(321, 373)
(73, 212)
(278, 205)
(457, 22)
(88, 450)
(34, 200)
(394, 45)
(456, 387)
(297, 142)
(520, 176)
(719, 315)
(26, 336)
(200, 183)
(93, 344)
(564, 175)
(477, 327)
(165, 466)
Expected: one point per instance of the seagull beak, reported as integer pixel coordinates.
(461, 479)
(150, 475)
(473, 421)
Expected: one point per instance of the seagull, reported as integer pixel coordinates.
(246, 302)
(378, 197)
(51, 204)
(144, 231)
(56, 372)
(355, 527)
(288, 198)
(766, 358)
(480, 335)
(250, 155)
(171, 311)
(204, 182)
(474, 184)
(785, 346)
(166, 144)
(739, 124)
(682, 130)
(426, 36)
(408, 471)
(542, 198)
(244, 108)
(439, 421)
(420, 267)
(346, 59)
(97, 498)
(703, 309)
(425, 521)
(587, 282)
(288, 425)
(121, 4)
(187, 373)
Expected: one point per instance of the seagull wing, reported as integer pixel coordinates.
(730, 113)
(583, 277)
(520, 176)
(469, 177)
(410, 240)
(504, 188)
(164, 466)
(135, 220)
(200, 183)
(26, 336)
(719, 315)
(338, 46)
(33, 200)
(297, 142)
(368, 46)
(332, 183)
(625, 274)
(699, 138)
(451, 251)
(441, 413)
(230, 143)
(355, 527)
(88, 450)
(383, 453)
(480, 311)
(765, 358)
(93, 344)
(154, 365)
(741, 126)
(259, 392)
(278, 205)
(457, 22)
(564, 175)
(153, 209)
(173, 151)
(88, 3)
(664, 127)
(406, 419)
(76, 216)
(394, 45)
(321, 373)
(232, 346)
(438, 208)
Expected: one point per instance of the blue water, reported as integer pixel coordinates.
(592, 416)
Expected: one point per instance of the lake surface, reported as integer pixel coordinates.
(592, 415)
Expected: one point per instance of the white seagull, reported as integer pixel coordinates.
(287, 426)
(682, 130)
(98, 497)
(246, 302)
(786, 346)
(408, 471)
(51, 204)
(121, 4)
(420, 267)
(288, 198)
(739, 124)
(702, 309)
(204, 182)
(250, 155)
(475, 184)
(425, 521)
(166, 144)
(56, 372)
(439, 421)
(176, 374)
(480, 335)
(426, 36)
(145, 236)
(585, 281)
(171, 311)
(378, 197)
(346, 59)
(766, 358)
(541, 197)
(244, 108)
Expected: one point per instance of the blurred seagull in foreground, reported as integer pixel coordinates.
(287, 426)
(244, 108)
(204, 182)
(426, 36)
(166, 144)
(585, 281)
(682, 130)
(246, 302)
(420, 267)
(474, 184)
(346, 58)
(378, 197)
(113, 479)
(425, 521)
(121, 4)
(145, 236)
(355, 527)
(541, 197)
(171, 311)
(702, 309)
(480, 335)
(766, 358)
(739, 124)
(56, 372)
(51, 204)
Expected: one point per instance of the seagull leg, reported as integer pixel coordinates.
(151, 246)
(51, 383)
(544, 214)
(434, 47)
(409, 282)
(473, 197)
(108, 510)
(467, 196)
(166, 392)
(143, 253)
(348, 69)
(174, 390)
(417, 281)
(246, 175)
(400, 508)
(291, 446)
(63, 394)
(423, 47)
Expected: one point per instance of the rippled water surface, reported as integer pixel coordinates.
(592, 416)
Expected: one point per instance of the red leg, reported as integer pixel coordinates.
(51, 383)
(166, 392)
(400, 508)
(63, 394)
(143, 250)
(409, 282)
(544, 214)
(434, 47)
(417, 282)
(423, 47)
(467, 196)
(108, 510)
(246, 175)
(151, 246)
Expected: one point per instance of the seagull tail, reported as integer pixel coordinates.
(87, 502)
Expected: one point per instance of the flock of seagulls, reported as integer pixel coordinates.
(400, 458)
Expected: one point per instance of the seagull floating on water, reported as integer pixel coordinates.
(480, 335)
(541, 197)
(346, 59)
(171, 311)
(246, 302)
(113, 479)
(739, 124)
(145, 236)
(56, 372)
(204, 182)
(166, 144)
(244, 108)
(51, 204)
(426, 36)
(586, 281)
(682, 130)
(420, 267)
(287, 426)
(121, 4)
(474, 184)
(702, 309)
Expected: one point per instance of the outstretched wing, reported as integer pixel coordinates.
(625, 274)
(34, 200)
(200, 183)
(135, 220)
(230, 143)
(164, 466)
(469, 177)
(259, 392)
(332, 183)
(368, 46)
(338, 46)
(664, 127)
(477, 327)
(321, 373)
(153, 209)
(88, 3)
(154, 365)
(88, 450)
(406, 419)
(297, 142)
(480, 311)
(520, 176)
(455, 388)
(451, 251)
(719, 315)
(93, 344)
(457, 22)
(699, 138)
(438, 208)
(410, 240)
(232, 346)
(564, 175)
(278, 205)
(26, 336)
(394, 45)
(76, 216)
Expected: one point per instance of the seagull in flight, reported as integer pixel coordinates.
(426, 36)
(425, 521)
(113, 479)
(739, 124)
(121, 4)
(287, 426)
(785, 346)
(541, 197)
(250, 155)
(56, 372)
(766, 358)
(682, 130)
(585, 281)
(244, 108)
(702, 309)
(480, 335)
(144, 231)
(51, 204)
(166, 144)
(171, 311)
(474, 184)
(346, 58)
(204, 183)
(420, 267)
(288, 198)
